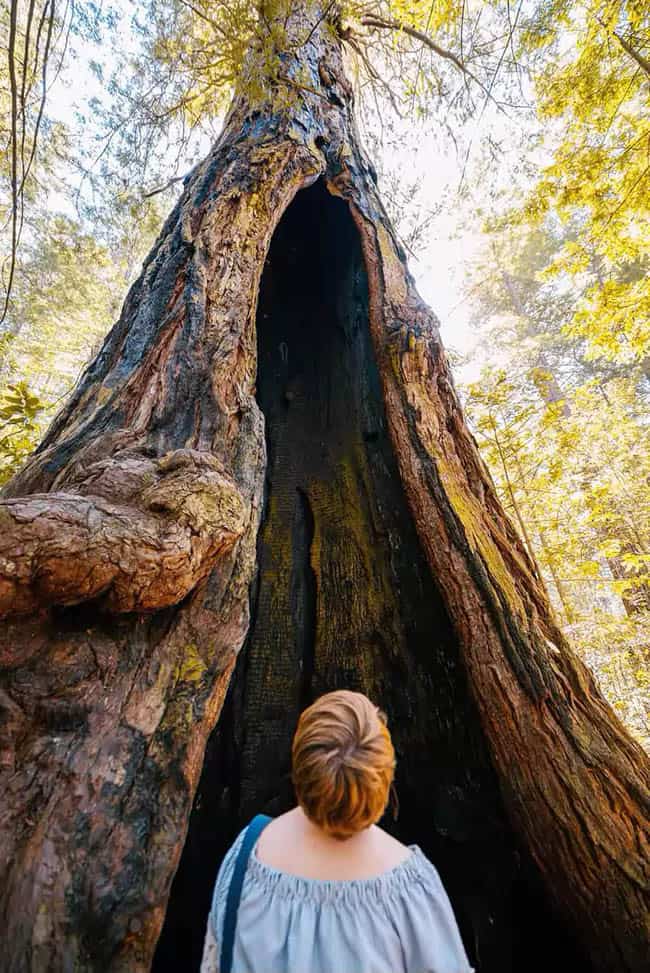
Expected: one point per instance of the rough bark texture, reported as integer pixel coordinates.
(385, 562)
(344, 597)
(137, 533)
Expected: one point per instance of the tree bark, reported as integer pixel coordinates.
(131, 546)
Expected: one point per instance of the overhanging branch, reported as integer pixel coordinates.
(379, 23)
(643, 62)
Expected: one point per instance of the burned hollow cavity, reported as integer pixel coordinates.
(345, 599)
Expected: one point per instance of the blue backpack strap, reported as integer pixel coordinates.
(253, 831)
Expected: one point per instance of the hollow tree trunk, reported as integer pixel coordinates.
(130, 543)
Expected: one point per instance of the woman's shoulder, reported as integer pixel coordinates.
(407, 877)
(291, 843)
(389, 849)
(387, 867)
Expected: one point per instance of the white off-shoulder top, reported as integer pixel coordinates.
(400, 921)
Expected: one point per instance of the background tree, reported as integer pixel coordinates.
(567, 311)
(599, 93)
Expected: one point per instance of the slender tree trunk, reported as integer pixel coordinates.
(510, 491)
(128, 551)
(559, 585)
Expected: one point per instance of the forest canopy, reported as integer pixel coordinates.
(512, 147)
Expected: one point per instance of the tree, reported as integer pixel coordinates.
(384, 562)
(35, 37)
(599, 91)
(575, 486)
(527, 315)
(564, 434)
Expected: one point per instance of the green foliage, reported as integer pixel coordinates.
(592, 79)
(563, 294)
(68, 290)
(566, 440)
(20, 411)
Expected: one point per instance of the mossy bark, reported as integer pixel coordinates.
(133, 554)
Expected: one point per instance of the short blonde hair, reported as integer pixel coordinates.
(343, 763)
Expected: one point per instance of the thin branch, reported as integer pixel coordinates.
(41, 107)
(17, 209)
(511, 31)
(208, 20)
(611, 216)
(168, 184)
(37, 50)
(419, 66)
(642, 61)
(462, 30)
(419, 35)
(14, 153)
(23, 112)
(488, 92)
(318, 22)
(374, 73)
(376, 22)
(302, 87)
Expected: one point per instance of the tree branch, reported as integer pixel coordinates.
(381, 24)
(323, 15)
(301, 87)
(14, 148)
(373, 73)
(642, 61)
(161, 189)
(208, 20)
(18, 188)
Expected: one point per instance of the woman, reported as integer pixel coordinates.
(325, 890)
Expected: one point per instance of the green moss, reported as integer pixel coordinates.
(394, 352)
(354, 556)
(393, 269)
(467, 509)
(191, 667)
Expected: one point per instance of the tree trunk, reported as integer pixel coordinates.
(129, 552)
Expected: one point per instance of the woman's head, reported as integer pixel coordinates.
(343, 763)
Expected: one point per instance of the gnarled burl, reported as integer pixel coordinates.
(135, 534)
(268, 450)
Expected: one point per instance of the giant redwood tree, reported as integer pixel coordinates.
(263, 488)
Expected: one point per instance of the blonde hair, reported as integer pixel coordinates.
(343, 763)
